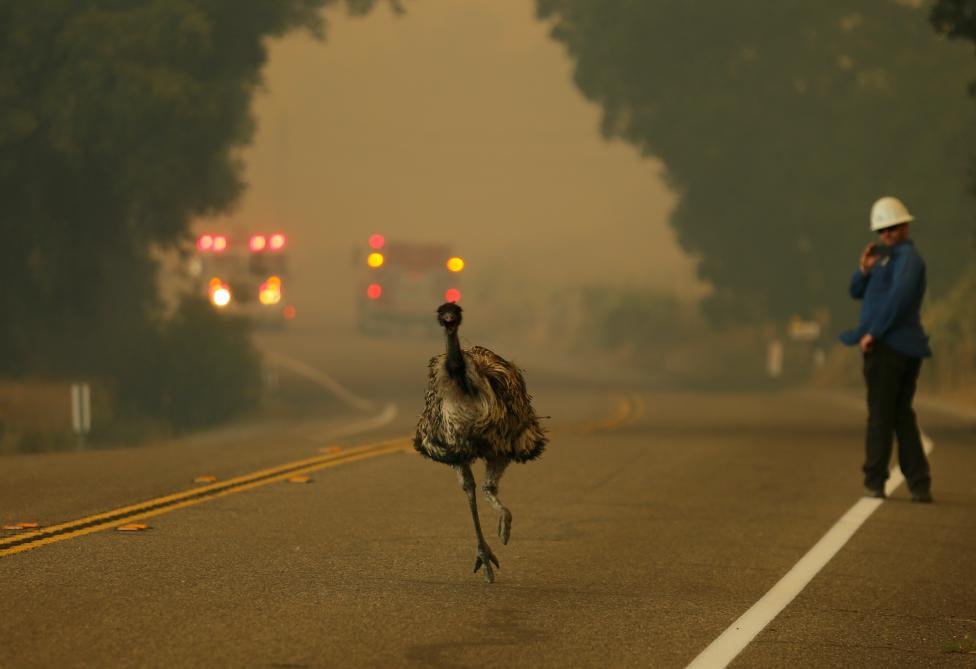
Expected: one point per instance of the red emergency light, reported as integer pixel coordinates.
(452, 295)
(376, 242)
(257, 243)
(276, 242)
(374, 291)
(215, 243)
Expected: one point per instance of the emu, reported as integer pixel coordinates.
(476, 407)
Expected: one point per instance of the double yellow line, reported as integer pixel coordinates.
(628, 408)
(180, 500)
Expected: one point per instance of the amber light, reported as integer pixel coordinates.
(269, 292)
(375, 260)
(455, 264)
(276, 242)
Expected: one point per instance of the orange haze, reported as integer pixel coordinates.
(458, 122)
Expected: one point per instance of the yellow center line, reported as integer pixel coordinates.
(180, 500)
(628, 408)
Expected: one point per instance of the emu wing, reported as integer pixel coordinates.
(517, 434)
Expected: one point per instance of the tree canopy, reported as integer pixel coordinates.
(120, 122)
(779, 123)
(955, 18)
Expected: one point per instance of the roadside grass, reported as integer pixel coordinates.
(14, 440)
(34, 416)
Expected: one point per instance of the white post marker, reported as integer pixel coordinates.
(774, 359)
(733, 640)
(80, 409)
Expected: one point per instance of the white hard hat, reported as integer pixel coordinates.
(889, 211)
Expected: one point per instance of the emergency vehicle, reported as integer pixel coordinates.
(244, 274)
(402, 283)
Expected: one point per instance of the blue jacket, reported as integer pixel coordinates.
(892, 292)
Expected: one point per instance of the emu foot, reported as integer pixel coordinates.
(486, 558)
(505, 526)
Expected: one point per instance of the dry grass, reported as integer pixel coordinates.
(42, 405)
(35, 416)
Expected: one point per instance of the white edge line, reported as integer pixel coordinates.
(733, 640)
(323, 379)
(384, 417)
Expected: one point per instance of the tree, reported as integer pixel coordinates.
(955, 18)
(779, 124)
(120, 122)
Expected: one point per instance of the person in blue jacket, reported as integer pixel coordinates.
(890, 281)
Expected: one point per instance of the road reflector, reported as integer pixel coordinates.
(132, 527)
(110, 520)
(205, 479)
(21, 526)
(300, 479)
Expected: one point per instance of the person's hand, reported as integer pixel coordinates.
(867, 259)
(867, 343)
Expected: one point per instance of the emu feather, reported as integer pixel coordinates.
(477, 407)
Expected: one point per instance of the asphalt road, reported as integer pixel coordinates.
(652, 522)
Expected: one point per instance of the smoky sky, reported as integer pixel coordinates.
(456, 123)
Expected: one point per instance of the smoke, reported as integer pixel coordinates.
(458, 123)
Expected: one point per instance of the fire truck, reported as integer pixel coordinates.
(244, 274)
(403, 282)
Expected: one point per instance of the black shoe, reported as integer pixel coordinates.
(877, 493)
(924, 497)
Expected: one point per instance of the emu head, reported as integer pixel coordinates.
(449, 316)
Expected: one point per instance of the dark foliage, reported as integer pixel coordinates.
(211, 370)
(119, 122)
(779, 124)
(955, 18)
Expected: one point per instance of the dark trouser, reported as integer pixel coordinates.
(891, 379)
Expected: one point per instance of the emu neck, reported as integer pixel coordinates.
(455, 365)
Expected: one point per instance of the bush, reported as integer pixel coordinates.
(669, 342)
(635, 318)
(951, 323)
(196, 369)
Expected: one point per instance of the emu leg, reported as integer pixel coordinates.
(493, 472)
(485, 556)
